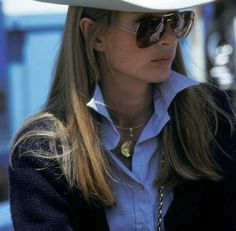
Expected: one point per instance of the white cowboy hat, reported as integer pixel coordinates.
(133, 5)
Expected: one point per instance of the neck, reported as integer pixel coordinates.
(129, 102)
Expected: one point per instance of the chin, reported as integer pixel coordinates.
(159, 77)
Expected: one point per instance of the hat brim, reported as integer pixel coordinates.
(133, 5)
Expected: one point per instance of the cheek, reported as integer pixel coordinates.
(125, 58)
(122, 52)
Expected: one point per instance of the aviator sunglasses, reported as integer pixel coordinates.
(149, 31)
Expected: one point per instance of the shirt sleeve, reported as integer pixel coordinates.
(38, 193)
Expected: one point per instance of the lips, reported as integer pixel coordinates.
(163, 58)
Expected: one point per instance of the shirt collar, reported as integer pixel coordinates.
(97, 103)
(164, 93)
(167, 90)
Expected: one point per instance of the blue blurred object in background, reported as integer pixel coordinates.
(5, 221)
(3, 80)
(30, 35)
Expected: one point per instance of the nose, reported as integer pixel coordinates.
(168, 37)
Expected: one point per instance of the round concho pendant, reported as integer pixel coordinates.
(127, 148)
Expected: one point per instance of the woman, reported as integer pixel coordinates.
(126, 141)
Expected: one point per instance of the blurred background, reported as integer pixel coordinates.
(30, 34)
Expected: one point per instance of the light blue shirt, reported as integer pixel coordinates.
(137, 199)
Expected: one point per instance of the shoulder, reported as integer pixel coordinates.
(36, 126)
(224, 111)
(220, 97)
(35, 144)
(37, 133)
(222, 116)
(33, 156)
(225, 136)
(40, 196)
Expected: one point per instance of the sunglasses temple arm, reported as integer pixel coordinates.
(130, 31)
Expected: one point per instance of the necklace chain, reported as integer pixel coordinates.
(130, 128)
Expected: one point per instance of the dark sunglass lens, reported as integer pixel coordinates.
(182, 23)
(149, 32)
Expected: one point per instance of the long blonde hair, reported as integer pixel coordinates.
(81, 156)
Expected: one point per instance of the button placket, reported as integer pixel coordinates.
(142, 208)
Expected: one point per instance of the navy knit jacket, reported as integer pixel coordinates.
(41, 200)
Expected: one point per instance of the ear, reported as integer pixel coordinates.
(85, 27)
